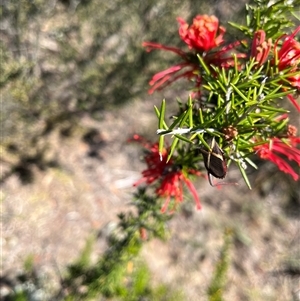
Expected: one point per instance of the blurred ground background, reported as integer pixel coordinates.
(74, 82)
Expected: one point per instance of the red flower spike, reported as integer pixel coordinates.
(169, 177)
(294, 102)
(202, 34)
(295, 81)
(276, 148)
(260, 47)
(224, 56)
(289, 53)
(164, 78)
(151, 46)
(288, 56)
(185, 69)
(292, 130)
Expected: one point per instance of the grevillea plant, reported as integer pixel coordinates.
(237, 107)
(236, 110)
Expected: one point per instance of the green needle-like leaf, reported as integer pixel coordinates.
(278, 95)
(157, 112)
(173, 147)
(204, 66)
(183, 138)
(190, 104)
(161, 145)
(273, 109)
(239, 92)
(162, 114)
(243, 172)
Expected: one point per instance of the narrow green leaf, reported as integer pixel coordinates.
(236, 68)
(276, 87)
(203, 64)
(201, 116)
(239, 92)
(161, 146)
(184, 139)
(173, 147)
(220, 112)
(190, 104)
(236, 79)
(243, 172)
(281, 125)
(225, 77)
(279, 110)
(221, 86)
(163, 133)
(186, 115)
(261, 88)
(193, 136)
(161, 125)
(238, 26)
(177, 120)
(157, 112)
(180, 121)
(278, 95)
(250, 162)
(254, 95)
(208, 87)
(162, 114)
(203, 141)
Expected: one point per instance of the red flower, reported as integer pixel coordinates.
(167, 175)
(277, 148)
(288, 57)
(260, 47)
(289, 53)
(285, 57)
(201, 37)
(202, 34)
(185, 69)
(294, 102)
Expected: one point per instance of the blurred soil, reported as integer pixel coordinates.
(51, 219)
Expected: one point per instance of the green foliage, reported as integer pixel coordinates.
(270, 17)
(241, 102)
(85, 257)
(29, 264)
(20, 296)
(86, 280)
(218, 282)
(140, 287)
(134, 284)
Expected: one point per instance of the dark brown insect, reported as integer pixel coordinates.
(214, 161)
